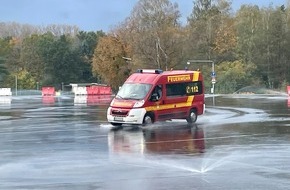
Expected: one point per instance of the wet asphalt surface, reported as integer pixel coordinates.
(241, 142)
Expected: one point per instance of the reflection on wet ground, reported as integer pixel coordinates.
(241, 142)
(162, 139)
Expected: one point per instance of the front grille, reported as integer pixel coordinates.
(119, 112)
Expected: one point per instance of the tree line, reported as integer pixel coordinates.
(250, 46)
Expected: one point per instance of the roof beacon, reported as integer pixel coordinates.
(156, 71)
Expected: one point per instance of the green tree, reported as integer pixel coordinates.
(3, 70)
(64, 62)
(12, 61)
(203, 25)
(31, 57)
(4, 50)
(233, 76)
(262, 40)
(87, 42)
(46, 52)
(24, 80)
(278, 51)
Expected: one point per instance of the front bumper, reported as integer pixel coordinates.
(134, 116)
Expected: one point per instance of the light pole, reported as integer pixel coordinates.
(213, 75)
(16, 84)
(166, 56)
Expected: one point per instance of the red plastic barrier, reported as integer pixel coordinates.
(105, 90)
(99, 90)
(288, 90)
(48, 91)
(93, 90)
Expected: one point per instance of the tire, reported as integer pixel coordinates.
(192, 116)
(116, 124)
(148, 119)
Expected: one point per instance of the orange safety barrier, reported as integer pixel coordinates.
(48, 91)
(288, 90)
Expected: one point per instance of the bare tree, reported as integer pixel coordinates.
(153, 33)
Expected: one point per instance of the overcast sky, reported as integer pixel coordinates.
(89, 15)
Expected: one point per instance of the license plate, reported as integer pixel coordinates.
(118, 119)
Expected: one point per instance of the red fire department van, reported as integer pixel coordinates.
(148, 96)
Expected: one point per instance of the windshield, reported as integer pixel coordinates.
(134, 91)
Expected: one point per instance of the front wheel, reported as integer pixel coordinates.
(192, 116)
(116, 126)
(148, 119)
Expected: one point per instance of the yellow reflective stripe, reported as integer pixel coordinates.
(160, 107)
(188, 103)
(190, 100)
(195, 76)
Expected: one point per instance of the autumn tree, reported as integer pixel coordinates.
(225, 37)
(108, 61)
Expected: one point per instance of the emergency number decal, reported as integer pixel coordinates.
(192, 89)
(178, 78)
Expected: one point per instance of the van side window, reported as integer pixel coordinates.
(176, 89)
(184, 89)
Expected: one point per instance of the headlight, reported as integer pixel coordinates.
(112, 102)
(139, 104)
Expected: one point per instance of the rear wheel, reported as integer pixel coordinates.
(192, 116)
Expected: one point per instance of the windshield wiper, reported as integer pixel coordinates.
(118, 96)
